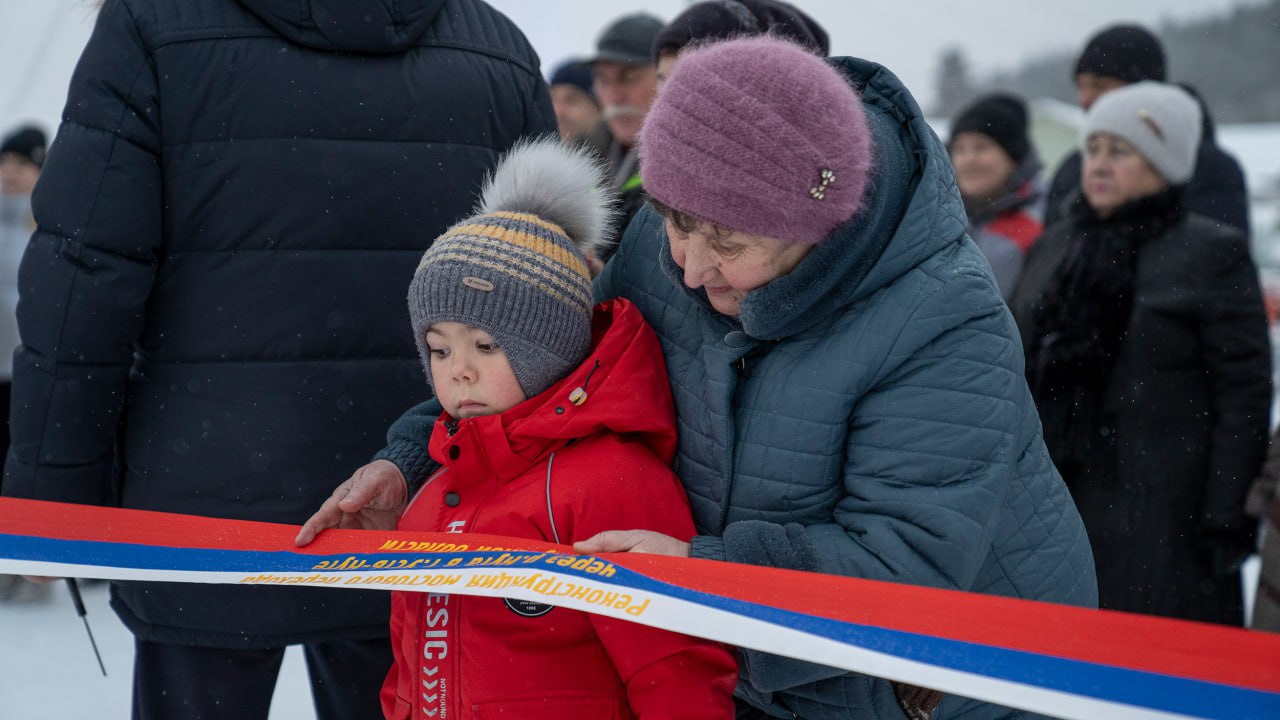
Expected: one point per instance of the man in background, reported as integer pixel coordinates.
(1123, 54)
(577, 110)
(625, 82)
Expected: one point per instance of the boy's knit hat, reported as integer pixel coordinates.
(1124, 52)
(516, 269)
(758, 135)
(1162, 121)
(1002, 118)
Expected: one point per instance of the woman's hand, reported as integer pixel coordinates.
(371, 499)
(641, 541)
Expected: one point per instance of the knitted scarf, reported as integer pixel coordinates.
(1083, 318)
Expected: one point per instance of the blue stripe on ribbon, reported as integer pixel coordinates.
(1108, 683)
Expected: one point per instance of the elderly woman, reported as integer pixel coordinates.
(1147, 353)
(848, 382)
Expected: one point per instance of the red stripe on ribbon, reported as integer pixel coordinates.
(1225, 655)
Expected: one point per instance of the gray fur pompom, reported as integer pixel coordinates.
(558, 183)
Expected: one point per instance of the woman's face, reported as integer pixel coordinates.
(729, 264)
(1114, 173)
(982, 166)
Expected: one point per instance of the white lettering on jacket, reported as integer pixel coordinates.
(435, 689)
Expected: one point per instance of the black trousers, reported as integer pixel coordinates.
(180, 682)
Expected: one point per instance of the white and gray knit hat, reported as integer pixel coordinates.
(517, 268)
(1161, 121)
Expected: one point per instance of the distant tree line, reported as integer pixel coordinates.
(1232, 59)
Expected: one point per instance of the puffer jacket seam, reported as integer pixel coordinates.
(79, 243)
(424, 141)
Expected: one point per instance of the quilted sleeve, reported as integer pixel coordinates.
(88, 270)
(408, 443)
(930, 452)
(932, 448)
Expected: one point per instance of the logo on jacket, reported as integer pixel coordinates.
(524, 608)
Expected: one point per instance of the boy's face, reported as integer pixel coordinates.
(470, 372)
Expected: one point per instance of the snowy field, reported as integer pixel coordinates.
(47, 668)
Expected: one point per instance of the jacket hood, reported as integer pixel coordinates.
(912, 210)
(364, 26)
(627, 393)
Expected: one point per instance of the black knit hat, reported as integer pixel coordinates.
(733, 18)
(1002, 118)
(576, 73)
(1125, 52)
(28, 142)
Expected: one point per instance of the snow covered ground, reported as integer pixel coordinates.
(47, 668)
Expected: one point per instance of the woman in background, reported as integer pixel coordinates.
(997, 170)
(1147, 353)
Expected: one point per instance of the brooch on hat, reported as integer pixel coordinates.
(1145, 117)
(819, 191)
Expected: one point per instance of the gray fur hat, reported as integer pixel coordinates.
(517, 268)
(1161, 121)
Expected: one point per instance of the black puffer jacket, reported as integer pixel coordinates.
(1160, 451)
(212, 310)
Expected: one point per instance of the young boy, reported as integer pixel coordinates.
(558, 424)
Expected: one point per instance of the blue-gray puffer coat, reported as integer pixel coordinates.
(868, 416)
(212, 310)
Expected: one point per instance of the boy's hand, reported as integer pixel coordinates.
(371, 499)
(641, 541)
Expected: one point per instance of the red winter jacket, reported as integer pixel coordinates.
(551, 470)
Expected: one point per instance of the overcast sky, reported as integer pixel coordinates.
(43, 38)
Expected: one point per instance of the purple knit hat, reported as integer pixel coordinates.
(758, 135)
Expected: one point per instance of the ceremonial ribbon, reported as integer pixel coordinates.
(1061, 661)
